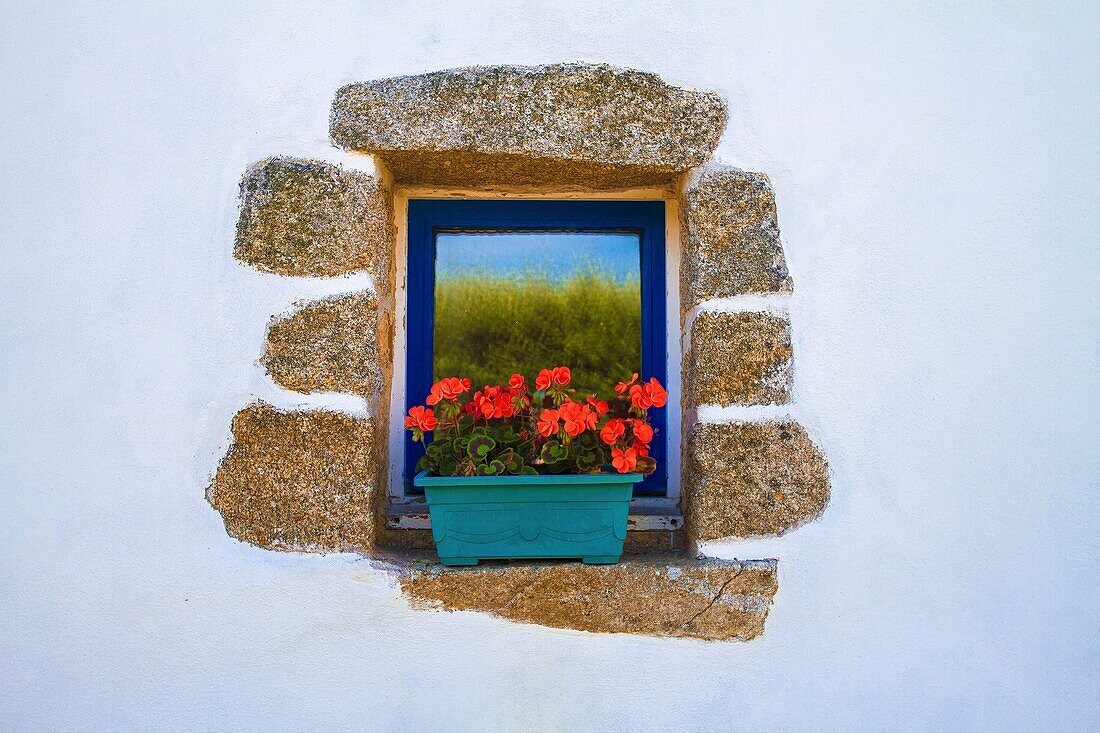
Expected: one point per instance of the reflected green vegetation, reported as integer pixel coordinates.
(487, 327)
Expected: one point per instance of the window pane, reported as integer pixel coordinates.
(510, 302)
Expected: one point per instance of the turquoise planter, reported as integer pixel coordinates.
(515, 517)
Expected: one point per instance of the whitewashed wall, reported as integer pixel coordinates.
(936, 174)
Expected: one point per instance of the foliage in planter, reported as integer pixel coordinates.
(508, 430)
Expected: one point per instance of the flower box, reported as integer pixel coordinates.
(511, 474)
(528, 516)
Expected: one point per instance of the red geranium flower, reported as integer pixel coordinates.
(642, 449)
(544, 380)
(642, 431)
(548, 423)
(598, 405)
(447, 388)
(502, 406)
(561, 376)
(622, 387)
(517, 383)
(624, 460)
(651, 394)
(421, 418)
(613, 430)
(577, 417)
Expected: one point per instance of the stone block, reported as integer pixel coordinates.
(310, 218)
(582, 125)
(669, 596)
(327, 346)
(752, 480)
(297, 480)
(738, 359)
(731, 240)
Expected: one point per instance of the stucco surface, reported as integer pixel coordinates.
(298, 480)
(327, 346)
(311, 218)
(738, 358)
(752, 479)
(565, 124)
(655, 596)
(731, 237)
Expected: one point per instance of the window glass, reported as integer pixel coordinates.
(524, 301)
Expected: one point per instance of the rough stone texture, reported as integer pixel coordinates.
(588, 125)
(657, 596)
(327, 346)
(731, 242)
(298, 480)
(752, 480)
(738, 358)
(310, 218)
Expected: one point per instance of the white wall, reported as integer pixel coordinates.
(936, 173)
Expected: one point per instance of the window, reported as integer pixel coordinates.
(501, 286)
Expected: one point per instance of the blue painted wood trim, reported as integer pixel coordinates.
(427, 216)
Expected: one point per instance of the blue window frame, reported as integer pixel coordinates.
(427, 217)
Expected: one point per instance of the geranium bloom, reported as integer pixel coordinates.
(421, 418)
(650, 394)
(517, 383)
(598, 405)
(642, 431)
(577, 417)
(544, 380)
(494, 403)
(622, 387)
(613, 430)
(642, 449)
(624, 460)
(561, 376)
(447, 388)
(548, 423)
(502, 406)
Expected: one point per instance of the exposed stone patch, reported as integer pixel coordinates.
(668, 596)
(731, 244)
(563, 124)
(299, 480)
(738, 358)
(752, 480)
(310, 218)
(327, 346)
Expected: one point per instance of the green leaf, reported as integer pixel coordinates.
(646, 465)
(479, 446)
(512, 461)
(528, 471)
(492, 468)
(507, 434)
(589, 461)
(553, 452)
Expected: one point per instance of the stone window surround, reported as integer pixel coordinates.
(316, 479)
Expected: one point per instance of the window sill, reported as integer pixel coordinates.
(647, 514)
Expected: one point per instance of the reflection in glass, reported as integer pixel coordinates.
(510, 302)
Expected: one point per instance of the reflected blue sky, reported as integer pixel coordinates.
(557, 255)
